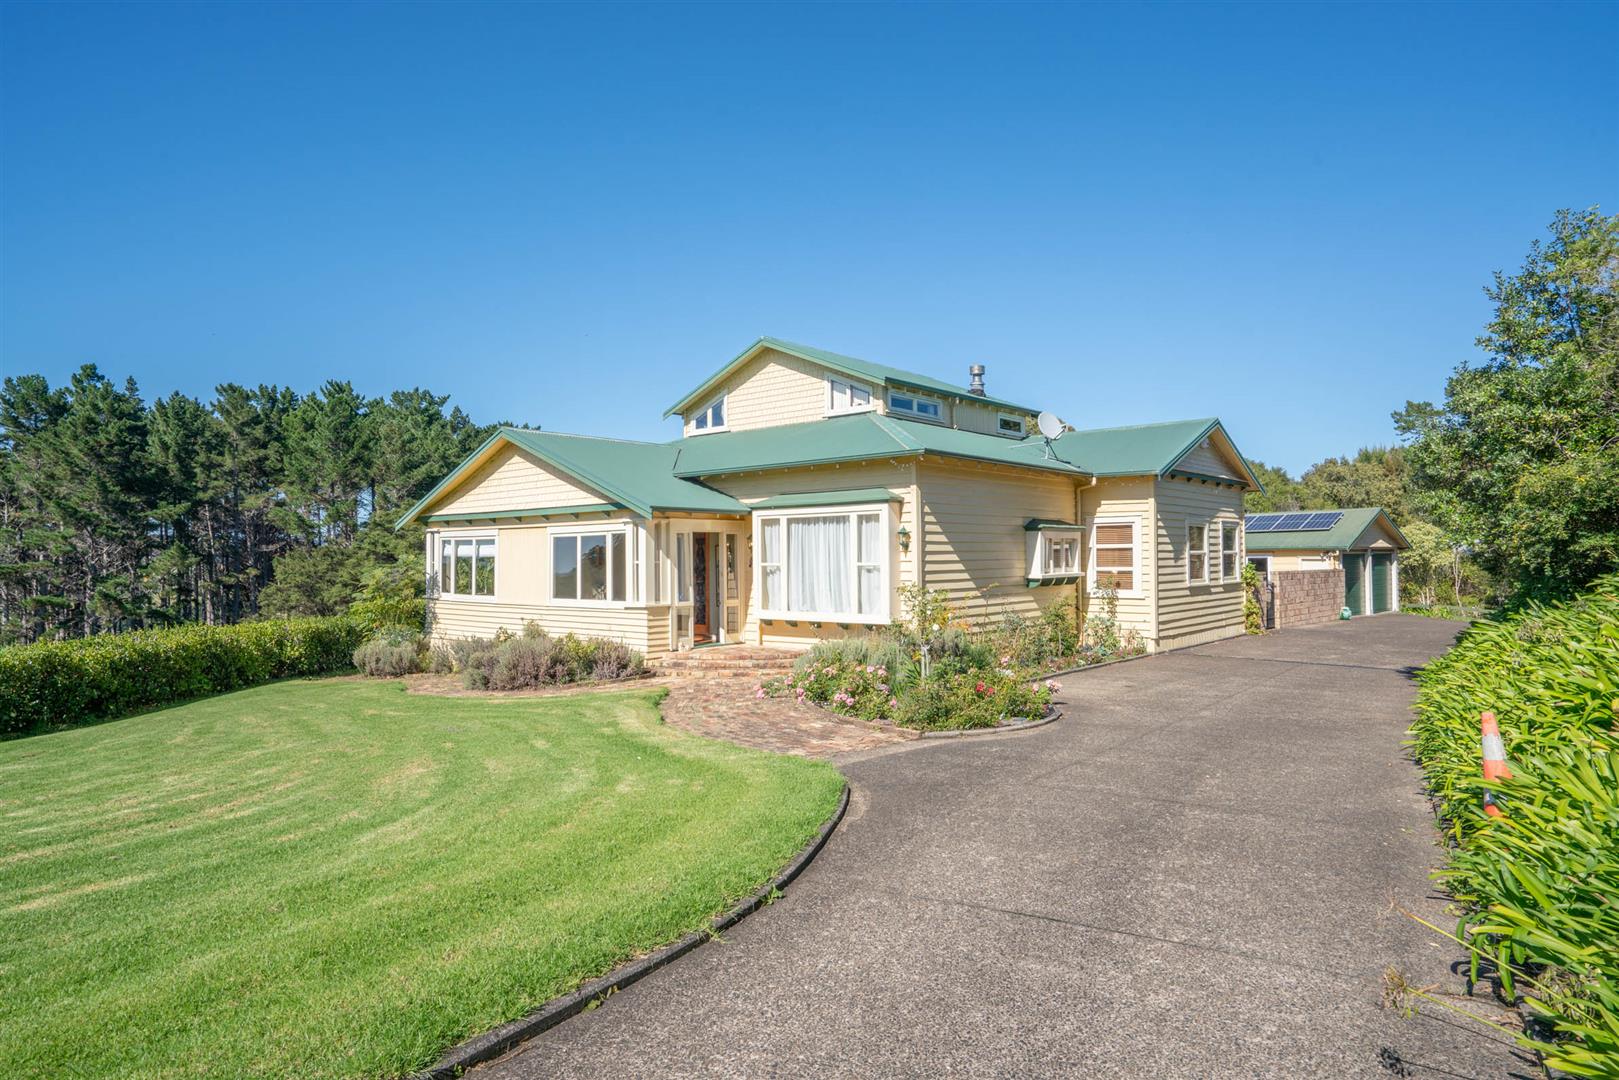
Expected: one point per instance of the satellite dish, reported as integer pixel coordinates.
(1049, 425)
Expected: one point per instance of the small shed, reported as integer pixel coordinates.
(1362, 541)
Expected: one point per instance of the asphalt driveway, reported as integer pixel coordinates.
(1190, 875)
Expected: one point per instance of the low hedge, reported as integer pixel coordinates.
(54, 684)
(1539, 885)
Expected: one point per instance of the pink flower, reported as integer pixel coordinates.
(979, 688)
(869, 669)
(893, 703)
(1053, 685)
(759, 693)
(881, 670)
(882, 687)
(1007, 659)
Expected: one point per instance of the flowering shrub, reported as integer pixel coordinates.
(972, 699)
(59, 683)
(959, 702)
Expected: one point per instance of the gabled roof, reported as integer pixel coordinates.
(859, 437)
(848, 365)
(634, 476)
(1144, 449)
(1347, 535)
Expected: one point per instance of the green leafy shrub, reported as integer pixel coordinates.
(966, 701)
(1253, 614)
(960, 699)
(55, 684)
(1539, 886)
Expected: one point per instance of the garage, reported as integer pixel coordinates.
(1382, 582)
(1353, 553)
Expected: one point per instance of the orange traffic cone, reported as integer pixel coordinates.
(1495, 759)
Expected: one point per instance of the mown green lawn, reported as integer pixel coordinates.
(336, 878)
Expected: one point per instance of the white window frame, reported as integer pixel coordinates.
(608, 528)
(706, 416)
(915, 398)
(1094, 576)
(1037, 551)
(1204, 525)
(1264, 571)
(1001, 419)
(849, 386)
(1233, 552)
(446, 589)
(885, 530)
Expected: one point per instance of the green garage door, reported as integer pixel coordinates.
(1355, 582)
(1382, 581)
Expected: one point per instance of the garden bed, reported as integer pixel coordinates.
(934, 672)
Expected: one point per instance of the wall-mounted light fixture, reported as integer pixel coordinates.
(904, 535)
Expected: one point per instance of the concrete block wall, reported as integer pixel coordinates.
(1304, 597)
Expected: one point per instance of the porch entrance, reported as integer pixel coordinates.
(709, 587)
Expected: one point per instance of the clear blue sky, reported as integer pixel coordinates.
(1283, 216)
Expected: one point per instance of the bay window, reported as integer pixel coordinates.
(1053, 550)
(1115, 562)
(592, 566)
(466, 566)
(830, 565)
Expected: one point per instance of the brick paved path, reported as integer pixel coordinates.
(711, 692)
(725, 708)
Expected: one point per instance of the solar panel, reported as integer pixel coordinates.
(1308, 521)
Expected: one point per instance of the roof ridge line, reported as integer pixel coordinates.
(580, 435)
(1155, 423)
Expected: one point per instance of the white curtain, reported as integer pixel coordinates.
(818, 569)
(770, 562)
(870, 564)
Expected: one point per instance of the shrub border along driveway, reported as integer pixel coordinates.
(494, 1043)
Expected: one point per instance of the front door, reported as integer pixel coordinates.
(701, 596)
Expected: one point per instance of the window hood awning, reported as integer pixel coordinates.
(846, 497)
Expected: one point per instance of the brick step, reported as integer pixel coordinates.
(679, 664)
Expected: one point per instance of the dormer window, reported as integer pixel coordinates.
(843, 396)
(1009, 425)
(712, 416)
(906, 403)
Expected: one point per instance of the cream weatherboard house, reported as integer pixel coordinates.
(808, 488)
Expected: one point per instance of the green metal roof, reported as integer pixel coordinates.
(848, 365)
(1344, 536)
(860, 437)
(846, 497)
(635, 475)
(1143, 449)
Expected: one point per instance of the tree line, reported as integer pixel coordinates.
(117, 514)
(1510, 486)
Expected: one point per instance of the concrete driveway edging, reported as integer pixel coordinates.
(1052, 715)
(494, 1043)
